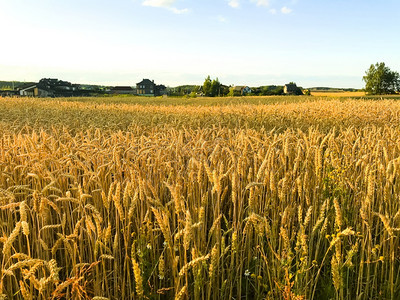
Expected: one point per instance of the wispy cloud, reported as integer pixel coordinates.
(261, 2)
(179, 11)
(168, 4)
(234, 3)
(286, 10)
(158, 3)
(264, 3)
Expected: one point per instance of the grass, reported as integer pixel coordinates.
(254, 198)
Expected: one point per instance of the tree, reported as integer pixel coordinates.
(379, 80)
(207, 86)
(213, 88)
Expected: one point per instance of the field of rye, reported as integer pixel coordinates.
(258, 198)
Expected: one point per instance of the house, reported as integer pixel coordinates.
(34, 90)
(223, 90)
(56, 88)
(147, 87)
(240, 90)
(292, 89)
(123, 90)
(49, 87)
(161, 90)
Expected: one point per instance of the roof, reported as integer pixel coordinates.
(239, 88)
(27, 87)
(122, 88)
(146, 81)
(50, 80)
(291, 86)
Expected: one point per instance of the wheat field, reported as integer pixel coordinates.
(219, 199)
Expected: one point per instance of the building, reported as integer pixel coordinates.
(147, 87)
(161, 90)
(123, 90)
(223, 90)
(34, 90)
(241, 90)
(49, 87)
(57, 88)
(292, 89)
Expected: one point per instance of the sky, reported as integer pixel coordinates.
(241, 42)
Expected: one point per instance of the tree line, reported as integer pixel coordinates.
(214, 88)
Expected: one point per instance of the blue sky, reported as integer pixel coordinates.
(252, 42)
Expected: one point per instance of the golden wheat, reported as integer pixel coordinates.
(109, 200)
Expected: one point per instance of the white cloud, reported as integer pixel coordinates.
(264, 3)
(261, 2)
(178, 11)
(158, 3)
(165, 4)
(285, 10)
(234, 3)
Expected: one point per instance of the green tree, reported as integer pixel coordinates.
(207, 86)
(379, 79)
(215, 88)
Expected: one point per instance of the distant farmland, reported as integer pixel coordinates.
(337, 94)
